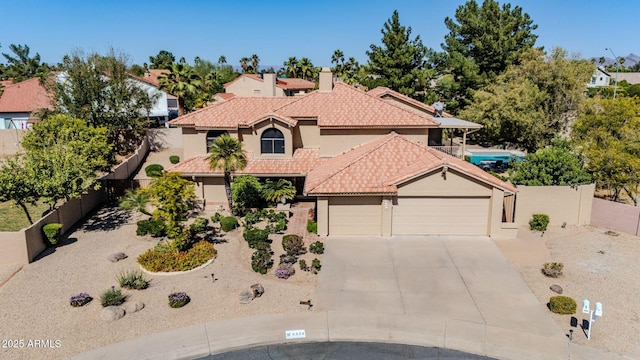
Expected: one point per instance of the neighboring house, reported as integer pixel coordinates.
(362, 158)
(260, 85)
(19, 101)
(166, 108)
(630, 77)
(599, 78)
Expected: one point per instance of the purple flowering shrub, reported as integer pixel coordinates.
(80, 299)
(285, 270)
(178, 300)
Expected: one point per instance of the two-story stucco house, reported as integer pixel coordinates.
(364, 157)
(260, 85)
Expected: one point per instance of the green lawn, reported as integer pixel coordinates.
(14, 219)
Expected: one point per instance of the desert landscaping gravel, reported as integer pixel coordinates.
(599, 265)
(35, 302)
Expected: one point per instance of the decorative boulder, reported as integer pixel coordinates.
(111, 313)
(257, 290)
(131, 308)
(556, 288)
(117, 257)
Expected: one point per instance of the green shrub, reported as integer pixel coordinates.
(132, 280)
(228, 223)
(174, 159)
(303, 265)
(52, 232)
(216, 217)
(317, 248)
(289, 259)
(112, 297)
(276, 216)
(552, 269)
(179, 299)
(168, 261)
(252, 218)
(154, 227)
(261, 261)
(285, 270)
(154, 170)
(199, 225)
(293, 244)
(562, 305)
(255, 236)
(539, 222)
(246, 192)
(312, 227)
(315, 266)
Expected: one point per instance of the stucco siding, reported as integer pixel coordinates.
(211, 189)
(306, 135)
(439, 184)
(334, 142)
(195, 142)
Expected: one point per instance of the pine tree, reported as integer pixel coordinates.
(401, 62)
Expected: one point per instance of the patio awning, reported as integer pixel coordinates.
(455, 123)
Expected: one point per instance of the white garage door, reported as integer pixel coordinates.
(441, 216)
(354, 215)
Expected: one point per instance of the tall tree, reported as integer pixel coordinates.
(21, 66)
(291, 67)
(606, 132)
(338, 59)
(306, 70)
(181, 82)
(556, 164)
(222, 60)
(255, 61)
(17, 184)
(98, 89)
(401, 62)
(482, 42)
(244, 64)
(531, 102)
(163, 60)
(226, 154)
(64, 156)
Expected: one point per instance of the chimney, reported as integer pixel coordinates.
(269, 83)
(326, 81)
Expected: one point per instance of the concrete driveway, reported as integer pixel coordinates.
(440, 277)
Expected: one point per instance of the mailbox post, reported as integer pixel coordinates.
(593, 314)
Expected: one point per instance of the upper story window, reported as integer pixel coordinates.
(272, 142)
(212, 135)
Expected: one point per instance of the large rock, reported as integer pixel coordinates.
(117, 257)
(257, 290)
(556, 288)
(245, 297)
(112, 313)
(133, 307)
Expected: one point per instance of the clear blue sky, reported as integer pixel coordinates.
(278, 29)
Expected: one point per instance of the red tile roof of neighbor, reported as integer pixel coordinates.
(225, 96)
(302, 161)
(151, 76)
(25, 96)
(283, 83)
(378, 167)
(344, 107)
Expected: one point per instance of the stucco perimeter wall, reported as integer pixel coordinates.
(616, 216)
(562, 203)
(10, 141)
(21, 247)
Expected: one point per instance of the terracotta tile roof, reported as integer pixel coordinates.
(25, 96)
(224, 96)
(348, 107)
(235, 112)
(381, 165)
(151, 76)
(382, 92)
(283, 83)
(303, 161)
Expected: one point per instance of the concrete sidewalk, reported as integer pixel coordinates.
(201, 340)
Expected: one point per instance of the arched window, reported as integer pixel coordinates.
(272, 142)
(212, 135)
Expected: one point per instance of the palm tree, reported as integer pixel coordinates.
(135, 200)
(306, 68)
(244, 64)
(180, 82)
(222, 60)
(291, 67)
(227, 155)
(274, 191)
(337, 57)
(255, 60)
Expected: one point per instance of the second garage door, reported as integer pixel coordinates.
(441, 216)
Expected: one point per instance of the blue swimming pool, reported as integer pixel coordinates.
(478, 155)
